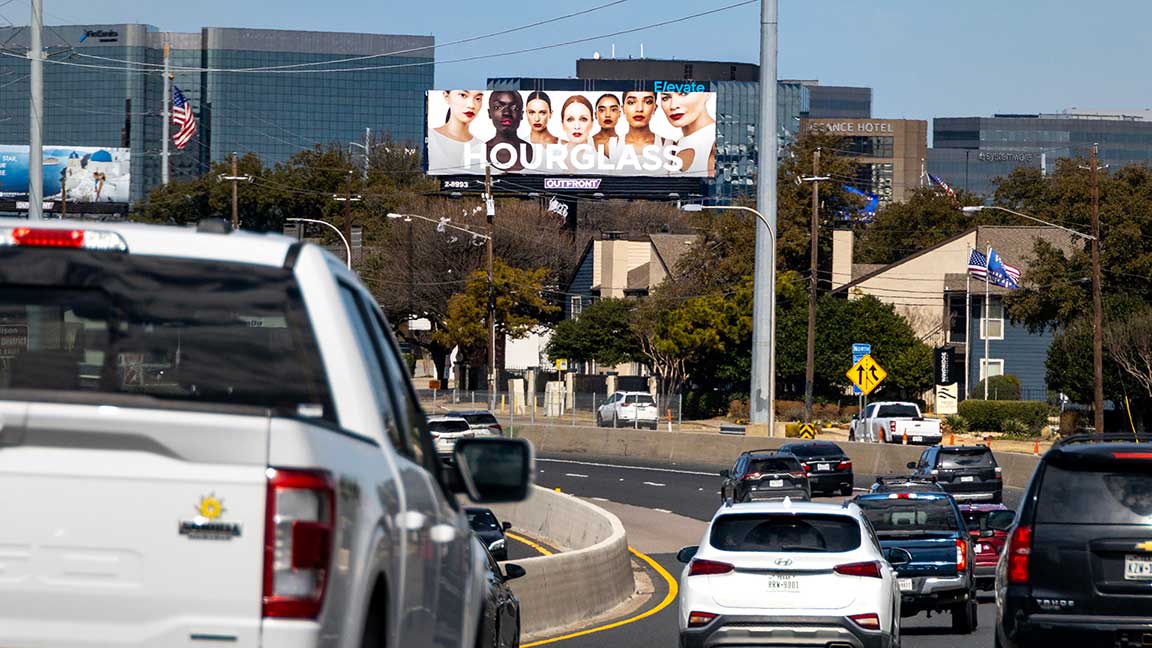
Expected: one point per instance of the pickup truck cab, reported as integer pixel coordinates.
(209, 438)
(939, 573)
(896, 423)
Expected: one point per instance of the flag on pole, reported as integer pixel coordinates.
(993, 270)
(183, 118)
(977, 264)
(939, 182)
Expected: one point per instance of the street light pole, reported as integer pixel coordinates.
(347, 248)
(761, 400)
(490, 208)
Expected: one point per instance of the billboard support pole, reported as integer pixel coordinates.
(763, 379)
(36, 109)
(166, 117)
(490, 207)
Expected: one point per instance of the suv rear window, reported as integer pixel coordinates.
(642, 399)
(77, 321)
(967, 458)
(1120, 495)
(767, 532)
(916, 515)
(483, 418)
(451, 425)
(773, 465)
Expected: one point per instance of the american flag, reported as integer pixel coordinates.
(183, 118)
(1002, 274)
(977, 264)
(936, 180)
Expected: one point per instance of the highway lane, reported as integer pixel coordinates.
(663, 508)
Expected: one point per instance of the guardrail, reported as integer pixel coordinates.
(591, 576)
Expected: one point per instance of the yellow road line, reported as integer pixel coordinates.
(673, 589)
(544, 551)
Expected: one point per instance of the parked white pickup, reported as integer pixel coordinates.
(892, 422)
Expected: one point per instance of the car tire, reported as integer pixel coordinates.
(599, 420)
(964, 618)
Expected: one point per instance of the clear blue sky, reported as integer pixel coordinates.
(923, 58)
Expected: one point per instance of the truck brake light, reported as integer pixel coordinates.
(961, 555)
(62, 238)
(1019, 549)
(298, 538)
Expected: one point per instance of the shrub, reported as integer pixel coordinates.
(410, 362)
(825, 411)
(738, 408)
(989, 416)
(1001, 388)
(956, 424)
(847, 412)
(1015, 428)
(790, 410)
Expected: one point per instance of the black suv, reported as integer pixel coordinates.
(1077, 569)
(828, 468)
(762, 475)
(967, 473)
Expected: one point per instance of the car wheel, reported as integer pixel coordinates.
(963, 618)
(599, 420)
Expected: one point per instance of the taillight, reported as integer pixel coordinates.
(62, 238)
(805, 467)
(1019, 549)
(1132, 455)
(499, 429)
(844, 465)
(865, 569)
(700, 619)
(751, 476)
(961, 555)
(999, 473)
(866, 621)
(892, 428)
(700, 567)
(902, 496)
(799, 475)
(298, 537)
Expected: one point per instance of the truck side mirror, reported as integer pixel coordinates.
(912, 465)
(493, 469)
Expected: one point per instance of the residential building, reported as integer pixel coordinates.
(889, 153)
(932, 290)
(103, 86)
(616, 267)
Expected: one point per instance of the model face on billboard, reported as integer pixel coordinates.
(684, 108)
(638, 108)
(463, 105)
(577, 120)
(539, 112)
(506, 109)
(608, 112)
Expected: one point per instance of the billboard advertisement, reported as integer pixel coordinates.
(634, 133)
(81, 174)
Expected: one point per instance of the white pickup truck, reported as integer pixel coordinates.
(896, 423)
(209, 438)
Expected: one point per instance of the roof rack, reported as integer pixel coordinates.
(1107, 437)
(763, 451)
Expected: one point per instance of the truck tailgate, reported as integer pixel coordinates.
(130, 527)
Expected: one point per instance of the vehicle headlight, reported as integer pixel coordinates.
(496, 545)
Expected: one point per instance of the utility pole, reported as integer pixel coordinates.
(1097, 299)
(490, 207)
(367, 154)
(234, 178)
(36, 108)
(166, 117)
(763, 379)
(810, 363)
(348, 198)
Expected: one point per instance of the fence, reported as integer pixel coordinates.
(575, 410)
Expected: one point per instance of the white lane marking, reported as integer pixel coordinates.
(661, 510)
(700, 489)
(604, 465)
(598, 499)
(576, 475)
(654, 484)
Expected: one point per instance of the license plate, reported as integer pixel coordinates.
(775, 483)
(823, 466)
(968, 479)
(905, 584)
(1138, 568)
(918, 439)
(779, 583)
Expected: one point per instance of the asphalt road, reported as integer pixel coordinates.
(671, 504)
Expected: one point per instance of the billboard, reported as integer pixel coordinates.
(86, 174)
(634, 133)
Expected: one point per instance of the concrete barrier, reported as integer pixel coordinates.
(593, 574)
(710, 450)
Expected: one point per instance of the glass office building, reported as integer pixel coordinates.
(104, 88)
(971, 152)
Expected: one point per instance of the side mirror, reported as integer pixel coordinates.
(506, 526)
(686, 554)
(988, 533)
(725, 473)
(897, 556)
(493, 469)
(976, 533)
(513, 571)
(912, 465)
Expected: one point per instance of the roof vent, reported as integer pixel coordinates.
(213, 226)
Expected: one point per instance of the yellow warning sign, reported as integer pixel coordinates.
(807, 431)
(866, 374)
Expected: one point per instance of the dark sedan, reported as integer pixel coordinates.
(500, 623)
(489, 530)
(828, 468)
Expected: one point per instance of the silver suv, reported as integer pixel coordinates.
(210, 437)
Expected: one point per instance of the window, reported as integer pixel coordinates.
(370, 354)
(992, 327)
(687, 70)
(991, 367)
(770, 533)
(732, 72)
(408, 404)
(577, 306)
(901, 515)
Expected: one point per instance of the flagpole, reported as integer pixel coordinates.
(987, 307)
(968, 329)
(166, 117)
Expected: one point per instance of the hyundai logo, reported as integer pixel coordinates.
(783, 562)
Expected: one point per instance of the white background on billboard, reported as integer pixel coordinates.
(483, 129)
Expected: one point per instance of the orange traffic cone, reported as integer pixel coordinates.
(952, 439)
(1036, 448)
(905, 438)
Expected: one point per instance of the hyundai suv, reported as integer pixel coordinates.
(209, 437)
(967, 473)
(1077, 569)
(764, 474)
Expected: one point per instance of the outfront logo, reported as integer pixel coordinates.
(102, 35)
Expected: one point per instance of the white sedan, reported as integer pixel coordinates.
(789, 573)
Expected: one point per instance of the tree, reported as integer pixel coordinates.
(926, 218)
(1129, 343)
(520, 306)
(602, 334)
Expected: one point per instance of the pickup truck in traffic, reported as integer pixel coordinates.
(895, 422)
(938, 572)
(209, 437)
